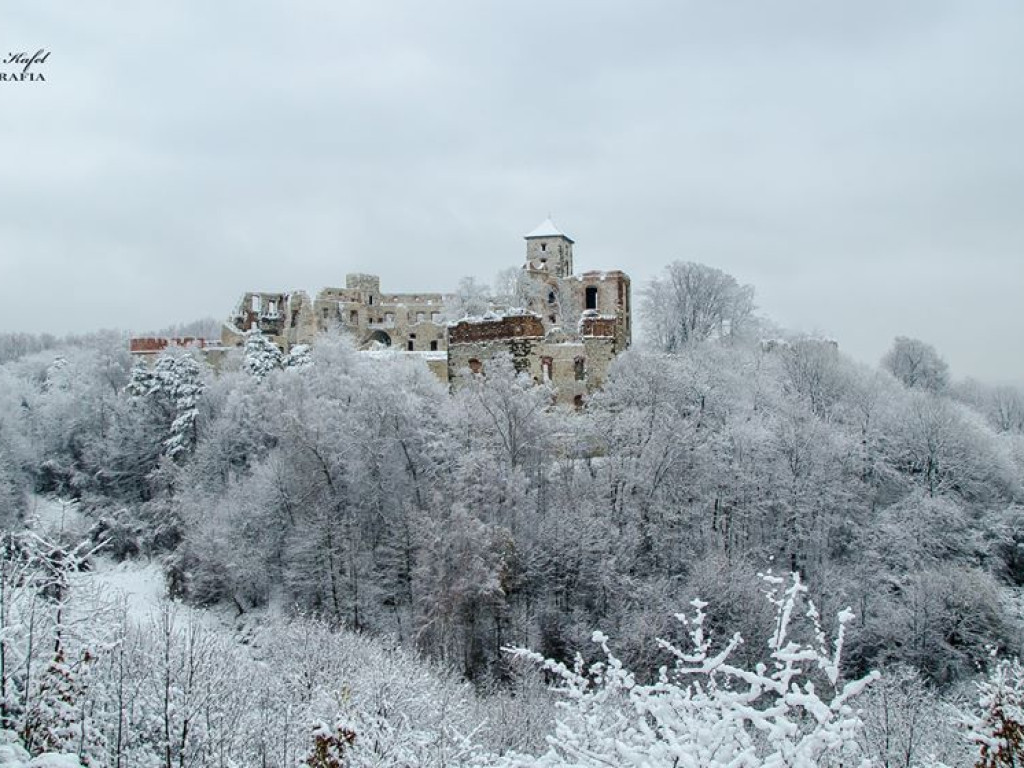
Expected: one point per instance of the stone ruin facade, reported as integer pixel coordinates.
(561, 328)
(567, 331)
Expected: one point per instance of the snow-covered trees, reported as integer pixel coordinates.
(260, 355)
(360, 493)
(171, 388)
(998, 731)
(471, 299)
(691, 303)
(794, 710)
(916, 364)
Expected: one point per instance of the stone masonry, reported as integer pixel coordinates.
(566, 333)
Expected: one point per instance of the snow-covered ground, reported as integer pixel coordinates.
(139, 585)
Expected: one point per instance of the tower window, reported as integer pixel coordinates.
(369, 299)
(591, 297)
(433, 346)
(580, 368)
(543, 246)
(353, 316)
(551, 297)
(476, 366)
(411, 345)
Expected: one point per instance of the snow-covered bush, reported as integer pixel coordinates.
(705, 711)
(999, 730)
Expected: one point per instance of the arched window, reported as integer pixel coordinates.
(591, 297)
(580, 368)
(476, 366)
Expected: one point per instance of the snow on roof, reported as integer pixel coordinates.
(548, 229)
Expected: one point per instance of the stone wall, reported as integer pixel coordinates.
(573, 327)
(403, 321)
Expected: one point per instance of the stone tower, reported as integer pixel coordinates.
(548, 249)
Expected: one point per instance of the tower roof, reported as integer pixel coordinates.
(548, 229)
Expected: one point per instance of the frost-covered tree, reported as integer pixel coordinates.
(172, 389)
(917, 364)
(260, 356)
(471, 299)
(298, 357)
(693, 302)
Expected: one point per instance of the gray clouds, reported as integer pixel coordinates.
(859, 163)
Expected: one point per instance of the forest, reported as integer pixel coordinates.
(746, 549)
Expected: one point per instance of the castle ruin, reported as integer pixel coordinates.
(560, 328)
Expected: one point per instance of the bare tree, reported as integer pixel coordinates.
(694, 302)
(916, 364)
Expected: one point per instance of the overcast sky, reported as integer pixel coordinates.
(860, 163)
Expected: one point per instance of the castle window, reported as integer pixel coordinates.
(476, 366)
(255, 304)
(435, 317)
(547, 368)
(580, 368)
(420, 317)
(543, 246)
(591, 297)
(326, 313)
(433, 346)
(411, 345)
(353, 316)
(369, 299)
(551, 297)
(577, 402)
(389, 317)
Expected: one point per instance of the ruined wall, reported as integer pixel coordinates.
(404, 321)
(266, 311)
(472, 342)
(569, 341)
(575, 365)
(610, 295)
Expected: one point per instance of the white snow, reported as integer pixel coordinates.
(51, 517)
(139, 584)
(547, 228)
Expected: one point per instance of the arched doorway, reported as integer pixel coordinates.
(378, 337)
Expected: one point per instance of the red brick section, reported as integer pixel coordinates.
(598, 326)
(511, 327)
(150, 344)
